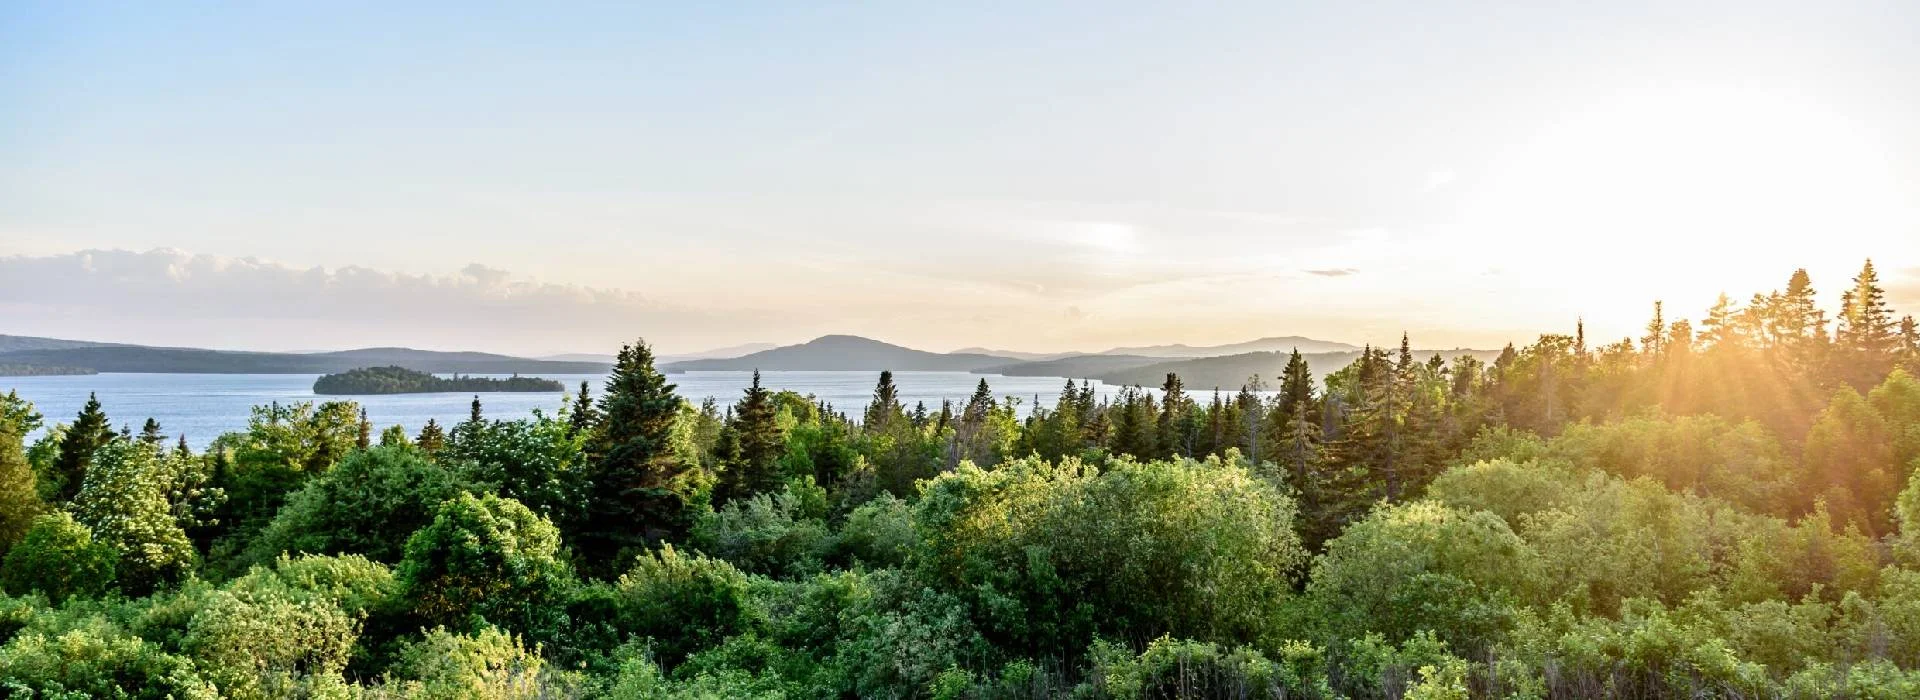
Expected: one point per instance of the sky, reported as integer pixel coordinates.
(564, 177)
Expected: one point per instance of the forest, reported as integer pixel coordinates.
(1724, 507)
(400, 380)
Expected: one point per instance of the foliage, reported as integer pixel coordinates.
(485, 560)
(58, 558)
(368, 504)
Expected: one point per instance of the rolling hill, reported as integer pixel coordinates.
(1274, 344)
(847, 353)
(140, 358)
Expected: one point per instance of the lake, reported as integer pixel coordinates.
(202, 406)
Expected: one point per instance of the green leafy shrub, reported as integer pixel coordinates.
(59, 558)
(368, 504)
(485, 560)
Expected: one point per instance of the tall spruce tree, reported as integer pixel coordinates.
(1174, 439)
(364, 439)
(632, 500)
(884, 411)
(87, 435)
(755, 467)
(151, 434)
(584, 415)
(432, 438)
(1867, 336)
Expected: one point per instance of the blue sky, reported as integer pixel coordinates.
(1030, 175)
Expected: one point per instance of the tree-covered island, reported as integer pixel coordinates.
(400, 380)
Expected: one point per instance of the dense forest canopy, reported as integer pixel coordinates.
(1725, 507)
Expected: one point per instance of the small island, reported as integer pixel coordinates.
(19, 370)
(400, 380)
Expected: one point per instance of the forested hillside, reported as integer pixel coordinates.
(1724, 507)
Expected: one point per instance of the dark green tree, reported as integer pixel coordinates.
(755, 467)
(885, 408)
(584, 417)
(87, 435)
(635, 496)
(150, 433)
(1176, 437)
(364, 439)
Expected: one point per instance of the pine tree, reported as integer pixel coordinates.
(150, 433)
(1654, 342)
(1174, 440)
(755, 467)
(1296, 384)
(180, 448)
(885, 407)
(633, 498)
(584, 416)
(87, 435)
(432, 438)
(1867, 333)
(365, 439)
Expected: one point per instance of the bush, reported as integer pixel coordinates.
(85, 664)
(269, 642)
(879, 533)
(1422, 566)
(766, 534)
(368, 504)
(683, 603)
(487, 665)
(485, 560)
(58, 558)
(1051, 557)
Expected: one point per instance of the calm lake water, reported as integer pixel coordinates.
(204, 405)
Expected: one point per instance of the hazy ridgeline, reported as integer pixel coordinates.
(1725, 508)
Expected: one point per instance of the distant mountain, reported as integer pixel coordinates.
(1231, 371)
(847, 353)
(10, 343)
(1076, 367)
(1028, 356)
(577, 357)
(728, 352)
(139, 358)
(1275, 344)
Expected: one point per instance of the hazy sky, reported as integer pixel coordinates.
(562, 177)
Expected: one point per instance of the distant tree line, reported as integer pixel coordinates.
(399, 380)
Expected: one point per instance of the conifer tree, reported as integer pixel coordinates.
(180, 448)
(633, 499)
(365, 438)
(1867, 333)
(150, 433)
(584, 416)
(432, 438)
(1296, 384)
(1174, 439)
(1654, 342)
(88, 433)
(755, 467)
(885, 406)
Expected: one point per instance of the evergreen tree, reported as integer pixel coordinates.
(365, 437)
(1867, 334)
(432, 438)
(1296, 384)
(1654, 342)
(634, 497)
(584, 416)
(885, 407)
(755, 467)
(87, 435)
(150, 433)
(180, 448)
(1174, 439)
